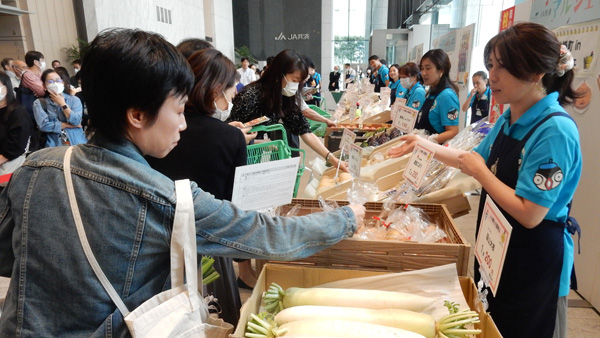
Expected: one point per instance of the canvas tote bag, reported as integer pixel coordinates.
(180, 311)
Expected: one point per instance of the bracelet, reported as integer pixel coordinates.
(327, 156)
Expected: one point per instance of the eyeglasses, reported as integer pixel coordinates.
(54, 81)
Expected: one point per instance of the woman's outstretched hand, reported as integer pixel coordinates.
(410, 141)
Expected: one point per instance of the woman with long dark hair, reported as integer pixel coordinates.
(14, 128)
(439, 112)
(530, 165)
(395, 86)
(276, 96)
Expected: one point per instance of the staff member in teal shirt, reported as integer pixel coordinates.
(439, 113)
(410, 79)
(479, 98)
(529, 165)
(397, 89)
(381, 77)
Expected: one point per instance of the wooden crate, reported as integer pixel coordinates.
(388, 255)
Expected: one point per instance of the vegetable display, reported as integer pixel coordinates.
(349, 313)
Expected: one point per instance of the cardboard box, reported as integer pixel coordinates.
(388, 255)
(288, 276)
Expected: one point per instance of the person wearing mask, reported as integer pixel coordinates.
(380, 73)
(29, 90)
(126, 206)
(276, 96)
(529, 164)
(14, 128)
(207, 137)
(479, 98)
(247, 74)
(334, 79)
(439, 113)
(395, 86)
(58, 114)
(410, 79)
(74, 80)
(349, 75)
(7, 64)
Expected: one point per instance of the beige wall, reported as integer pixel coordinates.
(50, 28)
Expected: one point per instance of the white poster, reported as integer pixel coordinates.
(556, 13)
(582, 41)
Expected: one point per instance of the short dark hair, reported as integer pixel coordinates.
(76, 61)
(410, 69)
(441, 61)
(189, 46)
(287, 61)
(32, 56)
(117, 51)
(53, 61)
(538, 53)
(244, 59)
(347, 64)
(5, 62)
(482, 75)
(373, 57)
(213, 73)
(383, 61)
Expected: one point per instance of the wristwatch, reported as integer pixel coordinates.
(65, 107)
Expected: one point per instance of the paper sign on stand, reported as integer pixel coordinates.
(401, 101)
(348, 138)
(405, 119)
(265, 185)
(354, 159)
(394, 109)
(418, 164)
(492, 243)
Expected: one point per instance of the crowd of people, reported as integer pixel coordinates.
(183, 114)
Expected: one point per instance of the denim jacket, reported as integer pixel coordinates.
(49, 120)
(127, 210)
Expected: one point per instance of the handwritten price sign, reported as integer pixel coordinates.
(354, 159)
(348, 138)
(417, 165)
(492, 243)
(405, 119)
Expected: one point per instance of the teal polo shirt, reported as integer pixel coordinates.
(399, 89)
(553, 151)
(445, 110)
(415, 97)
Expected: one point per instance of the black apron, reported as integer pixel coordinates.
(480, 108)
(393, 96)
(526, 301)
(423, 117)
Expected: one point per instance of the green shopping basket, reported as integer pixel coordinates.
(274, 150)
(318, 128)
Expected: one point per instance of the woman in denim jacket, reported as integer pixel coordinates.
(127, 208)
(58, 114)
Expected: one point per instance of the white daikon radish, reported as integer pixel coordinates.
(345, 329)
(370, 299)
(420, 323)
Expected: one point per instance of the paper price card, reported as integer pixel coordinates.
(417, 165)
(354, 159)
(348, 138)
(394, 110)
(405, 119)
(401, 101)
(492, 243)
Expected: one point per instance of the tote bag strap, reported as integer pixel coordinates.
(183, 243)
(83, 238)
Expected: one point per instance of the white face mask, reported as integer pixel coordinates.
(57, 88)
(290, 88)
(223, 114)
(42, 65)
(76, 70)
(405, 83)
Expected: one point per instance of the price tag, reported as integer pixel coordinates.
(401, 100)
(492, 243)
(348, 138)
(417, 165)
(405, 119)
(394, 110)
(354, 159)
